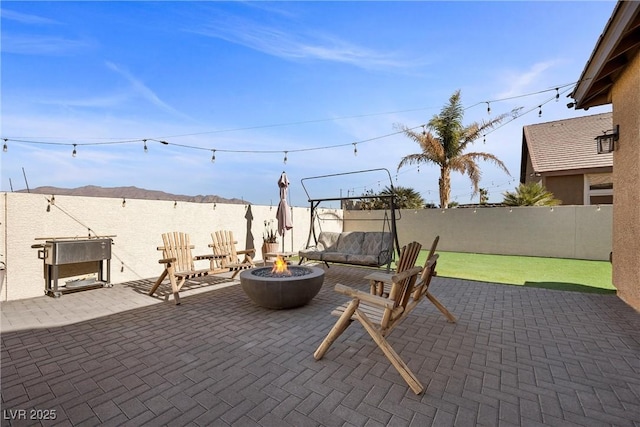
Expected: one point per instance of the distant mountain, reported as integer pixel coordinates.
(130, 193)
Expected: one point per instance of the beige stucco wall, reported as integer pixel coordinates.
(626, 184)
(568, 188)
(567, 231)
(138, 227)
(581, 232)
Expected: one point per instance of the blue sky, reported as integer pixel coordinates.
(253, 80)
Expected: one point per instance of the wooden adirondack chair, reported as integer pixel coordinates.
(379, 315)
(408, 256)
(225, 246)
(380, 280)
(179, 262)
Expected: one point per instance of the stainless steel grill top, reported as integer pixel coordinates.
(58, 252)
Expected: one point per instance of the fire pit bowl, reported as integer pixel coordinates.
(279, 291)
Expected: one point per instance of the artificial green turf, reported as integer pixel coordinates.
(551, 273)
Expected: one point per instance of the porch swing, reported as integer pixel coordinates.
(364, 248)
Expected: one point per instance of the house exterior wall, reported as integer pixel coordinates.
(568, 188)
(580, 232)
(626, 183)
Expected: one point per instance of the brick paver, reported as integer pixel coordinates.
(517, 356)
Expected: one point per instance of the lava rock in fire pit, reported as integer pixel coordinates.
(282, 290)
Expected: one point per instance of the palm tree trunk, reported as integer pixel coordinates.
(445, 186)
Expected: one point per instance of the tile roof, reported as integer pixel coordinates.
(567, 144)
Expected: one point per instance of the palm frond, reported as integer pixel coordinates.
(487, 157)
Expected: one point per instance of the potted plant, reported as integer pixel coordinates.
(270, 239)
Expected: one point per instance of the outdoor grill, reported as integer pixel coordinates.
(75, 256)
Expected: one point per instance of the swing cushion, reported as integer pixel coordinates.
(368, 248)
(349, 244)
(327, 242)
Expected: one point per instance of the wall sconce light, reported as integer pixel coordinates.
(607, 142)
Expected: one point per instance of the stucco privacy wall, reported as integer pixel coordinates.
(581, 232)
(138, 227)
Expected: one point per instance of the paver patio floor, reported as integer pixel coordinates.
(516, 356)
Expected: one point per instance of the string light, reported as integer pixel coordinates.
(146, 150)
(556, 96)
(213, 156)
(285, 157)
(355, 148)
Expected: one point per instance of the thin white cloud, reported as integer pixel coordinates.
(145, 92)
(289, 45)
(25, 18)
(42, 45)
(521, 82)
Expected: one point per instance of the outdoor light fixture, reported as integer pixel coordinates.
(607, 141)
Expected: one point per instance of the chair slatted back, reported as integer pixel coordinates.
(408, 256)
(178, 245)
(428, 272)
(434, 245)
(401, 290)
(224, 244)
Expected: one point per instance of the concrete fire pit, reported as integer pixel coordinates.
(279, 291)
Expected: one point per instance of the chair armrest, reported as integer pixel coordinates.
(162, 248)
(167, 260)
(247, 251)
(208, 256)
(365, 296)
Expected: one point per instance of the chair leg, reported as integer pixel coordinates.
(391, 354)
(450, 317)
(175, 288)
(157, 284)
(341, 325)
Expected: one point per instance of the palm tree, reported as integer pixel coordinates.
(530, 194)
(446, 145)
(405, 198)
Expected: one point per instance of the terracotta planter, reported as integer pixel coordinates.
(269, 247)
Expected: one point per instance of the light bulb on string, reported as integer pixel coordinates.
(484, 139)
(488, 108)
(540, 111)
(355, 148)
(144, 141)
(285, 157)
(213, 156)
(424, 130)
(4, 147)
(557, 95)
(73, 154)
